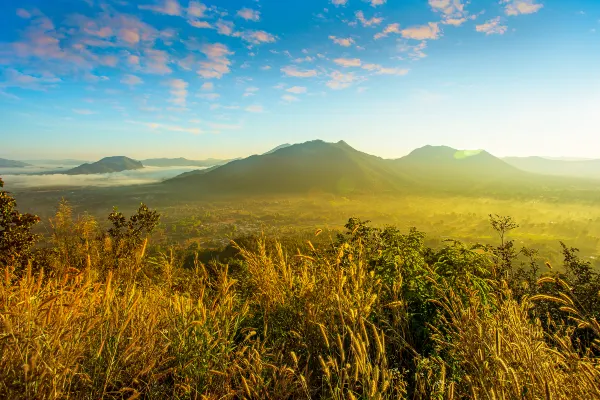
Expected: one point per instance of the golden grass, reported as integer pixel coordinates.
(321, 325)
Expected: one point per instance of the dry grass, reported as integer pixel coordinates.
(322, 325)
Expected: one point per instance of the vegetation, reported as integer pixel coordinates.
(370, 313)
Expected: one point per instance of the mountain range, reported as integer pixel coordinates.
(182, 162)
(4, 163)
(557, 167)
(106, 165)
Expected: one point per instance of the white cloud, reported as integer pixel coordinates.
(249, 14)
(345, 42)
(23, 13)
(208, 96)
(196, 9)
(295, 72)
(453, 11)
(289, 98)
(338, 3)
(414, 52)
(340, 80)
(200, 24)
(83, 111)
(391, 28)
(257, 37)
(491, 27)
(225, 27)
(218, 62)
(168, 7)
(132, 80)
(255, 108)
(208, 86)
(430, 31)
(367, 22)
(378, 69)
(265, 67)
(375, 3)
(297, 89)
(14, 78)
(348, 62)
(517, 7)
(178, 92)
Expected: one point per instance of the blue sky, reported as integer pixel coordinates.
(169, 78)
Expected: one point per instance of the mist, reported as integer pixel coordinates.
(22, 178)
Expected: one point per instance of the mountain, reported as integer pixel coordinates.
(281, 146)
(4, 163)
(314, 166)
(181, 162)
(557, 167)
(106, 165)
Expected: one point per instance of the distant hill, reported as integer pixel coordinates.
(181, 162)
(557, 167)
(4, 163)
(315, 166)
(106, 165)
(281, 146)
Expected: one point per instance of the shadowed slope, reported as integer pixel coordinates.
(106, 165)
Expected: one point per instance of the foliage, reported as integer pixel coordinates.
(373, 313)
(16, 238)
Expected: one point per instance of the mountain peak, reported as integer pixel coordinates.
(106, 165)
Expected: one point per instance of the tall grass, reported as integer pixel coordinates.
(353, 320)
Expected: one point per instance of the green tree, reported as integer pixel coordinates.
(16, 238)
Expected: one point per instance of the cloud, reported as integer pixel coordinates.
(517, 7)
(131, 80)
(156, 62)
(255, 108)
(14, 78)
(378, 69)
(491, 27)
(207, 86)
(391, 28)
(23, 13)
(348, 62)
(289, 98)
(208, 96)
(249, 14)
(265, 67)
(196, 9)
(430, 31)
(295, 72)
(375, 3)
(218, 62)
(167, 7)
(338, 3)
(178, 92)
(367, 22)
(147, 175)
(200, 24)
(414, 52)
(257, 37)
(83, 111)
(340, 80)
(225, 27)
(345, 42)
(171, 128)
(297, 89)
(453, 11)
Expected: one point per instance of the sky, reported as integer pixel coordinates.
(86, 79)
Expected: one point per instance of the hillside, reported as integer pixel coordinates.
(281, 146)
(106, 165)
(545, 166)
(4, 163)
(181, 162)
(314, 166)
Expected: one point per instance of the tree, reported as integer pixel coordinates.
(16, 238)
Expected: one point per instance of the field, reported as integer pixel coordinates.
(213, 222)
